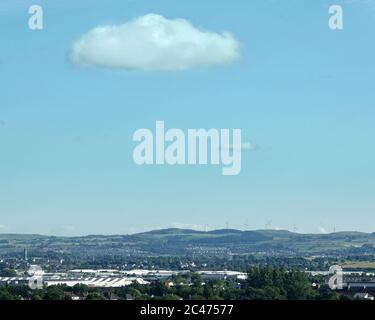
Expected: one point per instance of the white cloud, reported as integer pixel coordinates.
(152, 42)
(277, 228)
(322, 230)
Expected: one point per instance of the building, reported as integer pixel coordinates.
(360, 286)
(93, 282)
(5, 281)
(363, 296)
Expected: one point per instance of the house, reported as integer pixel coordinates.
(169, 284)
(129, 297)
(71, 296)
(363, 296)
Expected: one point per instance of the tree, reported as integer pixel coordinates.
(325, 293)
(8, 273)
(36, 297)
(196, 280)
(298, 286)
(5, 294)
(277, 284)
(94, 296)
(54, 293)
(80, 288)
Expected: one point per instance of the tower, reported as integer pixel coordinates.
(25, 254)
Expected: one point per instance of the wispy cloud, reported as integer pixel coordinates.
(322, 230)
(245, 146)
(180, 225)
(155, 43)
(68, 228)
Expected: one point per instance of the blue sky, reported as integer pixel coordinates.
(302, 92)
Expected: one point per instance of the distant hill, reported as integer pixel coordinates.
(185, 242)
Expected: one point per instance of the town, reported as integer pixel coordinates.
(54, 277)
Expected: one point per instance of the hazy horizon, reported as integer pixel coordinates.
(198, 230)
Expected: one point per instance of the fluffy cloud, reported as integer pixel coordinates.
(152, 42)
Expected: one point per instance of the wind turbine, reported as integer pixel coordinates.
(295, 229)
(246, 225)
(269, 224)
